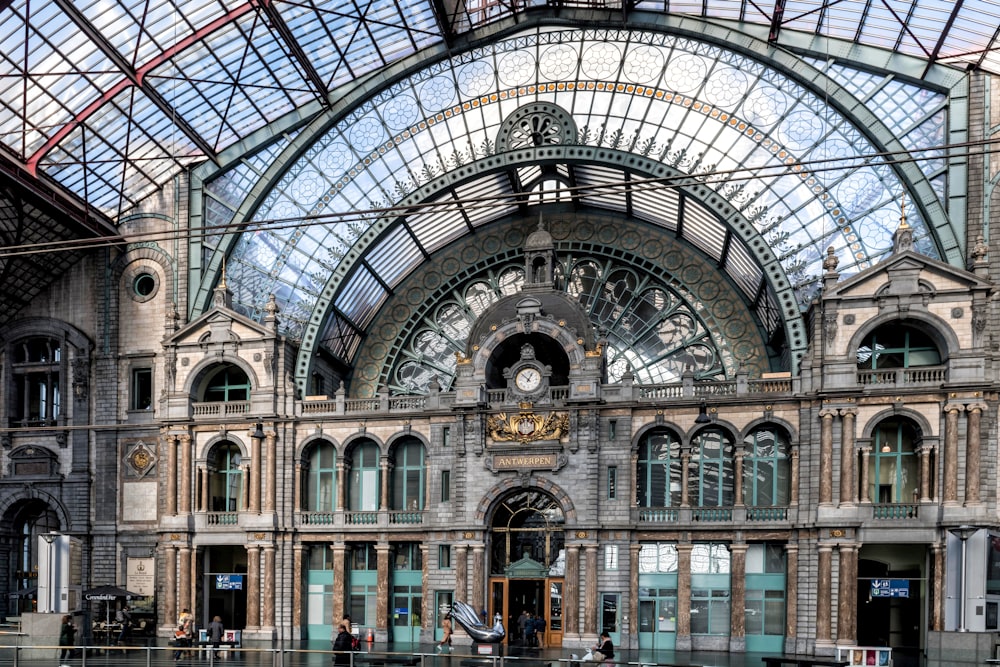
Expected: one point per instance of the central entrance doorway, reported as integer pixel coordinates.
(527, 563)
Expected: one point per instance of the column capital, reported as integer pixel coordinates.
(828, 413)
(975, 407)
(957, 408)
(848, 412)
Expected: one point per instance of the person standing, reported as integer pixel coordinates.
(216, 631)
(67, 638)
(342, 645)
(522, 622)
(540, 630)
(184, 632)
(446, 633)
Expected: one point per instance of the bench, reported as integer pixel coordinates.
(803, 661)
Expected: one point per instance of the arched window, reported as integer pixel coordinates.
(228, 383)
(363, 482)
(658, 474)
(765, 467)
(897, 345)
(710, 472)
(226, 483)
(408, 476)
(893, 466)
(321, 487)
(36, 369)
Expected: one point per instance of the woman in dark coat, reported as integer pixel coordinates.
(67, 638)
(343, 644)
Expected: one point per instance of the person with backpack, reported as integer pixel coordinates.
(123, 617)
(539, 623)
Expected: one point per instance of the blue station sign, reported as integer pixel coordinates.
(890, 588)
(228, 582)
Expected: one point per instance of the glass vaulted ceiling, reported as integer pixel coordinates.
(112, 98)
(782, 160)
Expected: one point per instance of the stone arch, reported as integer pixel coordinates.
(487, 504)
(926, 428)
(753, 424)
(204, 368)
(306, 445)
(935, 327)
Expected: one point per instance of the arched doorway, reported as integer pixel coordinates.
(26, 521)
(527, 562)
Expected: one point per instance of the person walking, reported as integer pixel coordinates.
(67, 638)
(123, 617)
(216, 631)
(446, 633)
(184, 632)
(342, 645)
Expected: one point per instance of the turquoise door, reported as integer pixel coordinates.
(407, 601)
(319, 604)
(658, 618)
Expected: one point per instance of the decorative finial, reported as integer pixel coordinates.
(902, 214)
(830, 261)
(222, 281)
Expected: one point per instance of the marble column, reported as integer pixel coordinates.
(341, 486)
(299, 490)
(848, 483)
(973, 450)
(791, 590)
(590, 628)
(924, 454)
(685, 464)
(633, 589)
(824, 595)
(193, 580)
(271, 444)
(479, 578)
(299, 554)
(204, 504)
(385, 477)
(253, 586)
(826, 457)
(170, 584)
(738, 596)
(256, 465)
(738, 454)
(936, 593)
(847, 597)
(866, 489)
(340, 601)
(683, 637)
(269, 602)
(793, 491)
(184, 503)
(426, 604)
(571, 592)
(634, 485)
(184, 578)
(462, 572)
(170, 444)
(382, 590)
(950, 496)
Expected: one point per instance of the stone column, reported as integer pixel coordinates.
(973, 445)
(683, 637)
(193, 580)
(462, 572)
(791, 590)
(384, 486)
(299, 489)
(185, 475)
(271, 443)
(633, 589)
(738, 453)
(170, 584)
(341, 486)
(685, 462)
(848, 483)
(793, 490)
(824, 595)
(256, 465)
(936, 593)
(866, 453)
(847, 602)
(479, 578)
(204, 488)
(924, 452)
(253, 586)
(826, 457)
(571, 592)
(633, 487)
(950, 496)
(268, 619)
(340, 600)
(299, 554)
(184, 578)
(382, 590)
(170, 444)
(590, 592)
(737, 598)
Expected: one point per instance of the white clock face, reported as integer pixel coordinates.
(528, 379)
